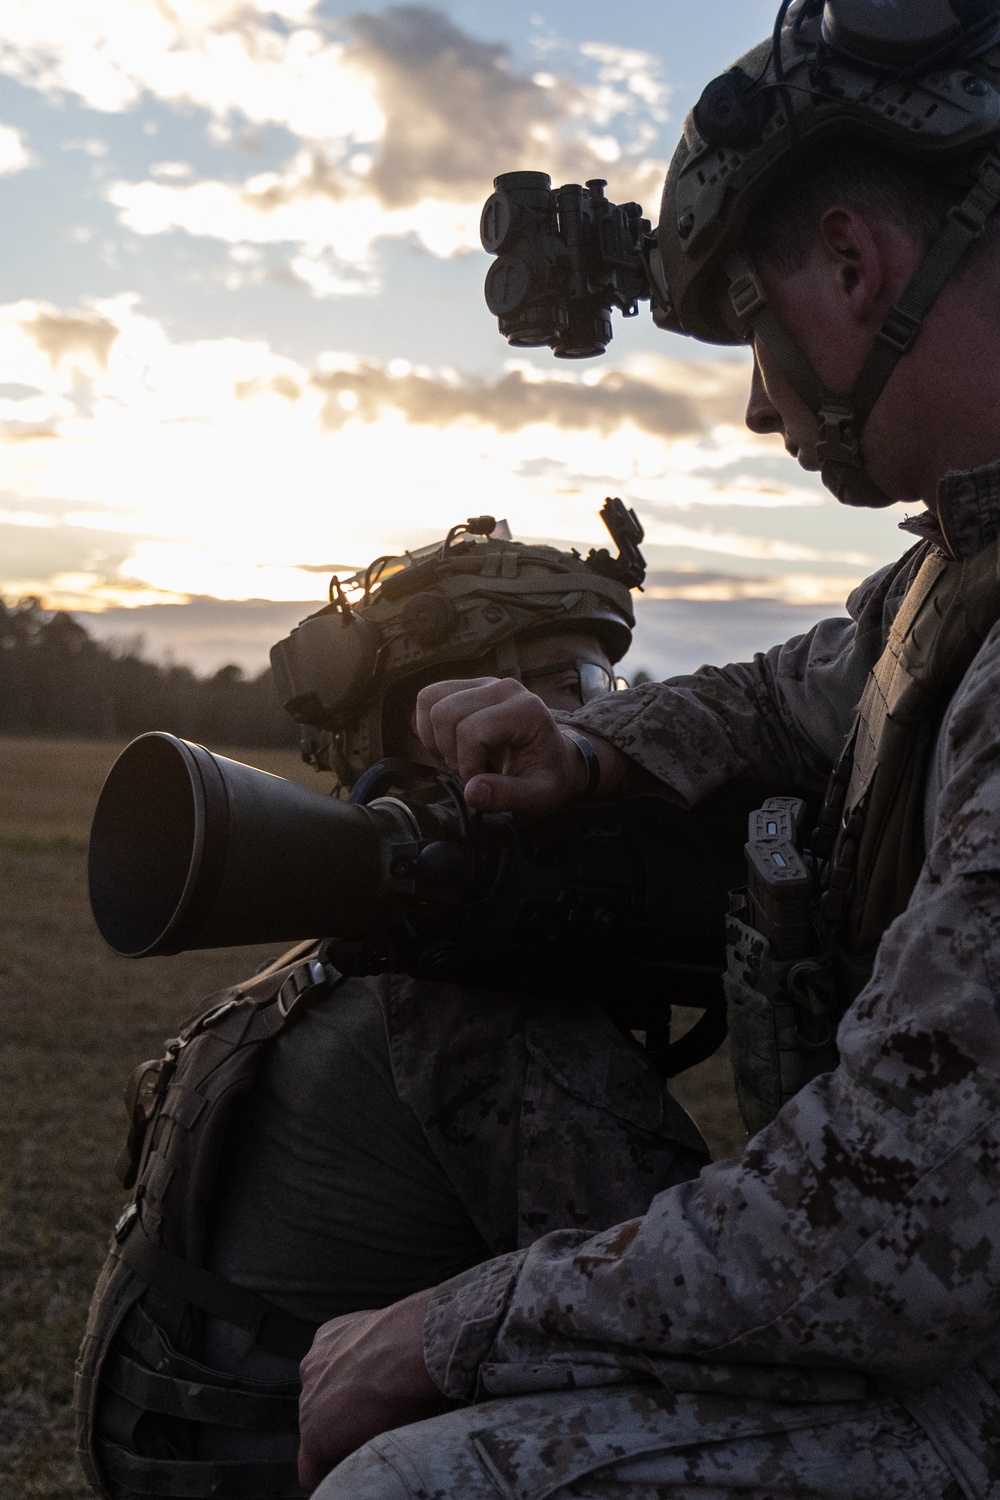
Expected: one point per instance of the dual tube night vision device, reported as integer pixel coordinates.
(565, 258)
(918, 77)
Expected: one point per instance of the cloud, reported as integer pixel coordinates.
(265, 60)
(33, 555)
(59, 335)
(171, 169)
(89, 145)
(335, 229)
(448, 109)
(456, 113)
(234, 471)
(204, 633)
(401, 118)
(805, 589)
(672, 400)
(14, 154)
(767, 549)
(509, 404)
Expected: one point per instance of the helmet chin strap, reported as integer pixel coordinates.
(842, 416)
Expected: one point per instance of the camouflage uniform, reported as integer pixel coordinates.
(822, 1316)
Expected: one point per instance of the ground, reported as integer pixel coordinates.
(74, 1021)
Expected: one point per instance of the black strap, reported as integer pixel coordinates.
(964, 225)
(750, 304)
(198, 1401)
(262, 989)
(273, 1329)
(146, 1341)
(187, 1479)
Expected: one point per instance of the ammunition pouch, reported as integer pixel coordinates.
(783, 1016)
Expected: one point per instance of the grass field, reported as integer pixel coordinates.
(74, 1020)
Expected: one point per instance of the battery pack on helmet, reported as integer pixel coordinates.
(323, 669)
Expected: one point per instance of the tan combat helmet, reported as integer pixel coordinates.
(404, 621)
(920, 78)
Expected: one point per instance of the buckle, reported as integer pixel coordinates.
(838, 440)
(305, 980)
(970, 219)
(900, 330)
(747, 296)
(126, 1223)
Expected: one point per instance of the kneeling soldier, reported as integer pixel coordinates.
(312, 1145)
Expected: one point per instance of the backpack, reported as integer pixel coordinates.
(140, 1390)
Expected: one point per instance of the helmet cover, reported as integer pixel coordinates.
(407, 620)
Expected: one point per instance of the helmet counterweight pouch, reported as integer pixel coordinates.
(890, 35)
(325, 666)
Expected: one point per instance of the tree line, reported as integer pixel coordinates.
(57, 679)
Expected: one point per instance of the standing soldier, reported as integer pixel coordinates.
(822, 1317)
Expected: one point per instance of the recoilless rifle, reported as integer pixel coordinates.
(624, 899)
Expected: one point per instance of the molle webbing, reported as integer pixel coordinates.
(879, 851)
(141, 1391)
(193, 1479)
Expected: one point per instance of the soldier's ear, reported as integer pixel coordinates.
(864, 257)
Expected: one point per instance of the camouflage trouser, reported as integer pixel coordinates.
(640, 1443)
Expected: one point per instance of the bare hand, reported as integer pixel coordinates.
(364, 1374)
(502, 743)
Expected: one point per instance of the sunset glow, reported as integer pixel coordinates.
(242, 341)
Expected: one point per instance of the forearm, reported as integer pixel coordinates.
(782, 717)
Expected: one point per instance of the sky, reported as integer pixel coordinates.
(243, 340)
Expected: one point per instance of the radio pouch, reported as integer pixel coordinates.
(783, 1018)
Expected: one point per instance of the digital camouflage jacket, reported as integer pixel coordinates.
(859, 1234)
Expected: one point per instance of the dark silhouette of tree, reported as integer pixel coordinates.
(56, 679)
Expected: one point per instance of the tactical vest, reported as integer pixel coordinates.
(783, 1016)
(140, 1391)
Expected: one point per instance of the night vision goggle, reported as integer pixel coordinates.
(565, 259)
(568, 256)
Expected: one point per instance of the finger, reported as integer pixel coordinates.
(482, 737)
(448, 685)
(514, 794)
(448, 716)
(429, 719)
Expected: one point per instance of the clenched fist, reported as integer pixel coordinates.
(503, 744)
